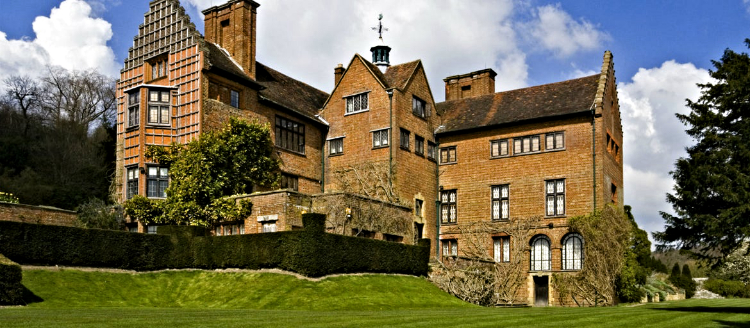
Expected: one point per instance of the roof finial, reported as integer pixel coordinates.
(380, 27)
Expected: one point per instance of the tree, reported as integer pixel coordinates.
(204, 172)
(96, 214)
(711, 197)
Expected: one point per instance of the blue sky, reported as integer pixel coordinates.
(661, 50)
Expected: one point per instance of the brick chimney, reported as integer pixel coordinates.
(338, 72)
(232, 26)
(472, 84)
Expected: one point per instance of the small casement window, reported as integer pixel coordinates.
(380, 138)
(158, 181)
(527, 144)
(448, 207)
(418, 204)
(159, 69)
(289, 181)
(357, 103)
(134, 102)
(500, 202)
(555, 190)
(572, 252)
(540, 254)
(404, 140)
(419, 107)
(269, 226)
(501, 249)
(290, 135)
(336, 146)
(499, 148)
(393, 238)
(363, 233)
(217, 231)
(450, 247)
(151, 230)
(418, 145)
(234, 98)
(554, 140)
(158, 107)
(132, 184)
(448, 155)
(431, 148)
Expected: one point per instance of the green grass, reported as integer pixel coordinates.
(209, 299)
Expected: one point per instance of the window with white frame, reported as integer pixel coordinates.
(380, 138)
(357, 103)
(134, 104)
(151, 229)
(450, 247)
(336, 146)
(555, 190)
(499, 148)
(572, 252)
(132, 182)
(269, 226)
(554, 140)
(234, 98)
(501, 249)
(418, 107)
(158, 107)
(418, 145)
(448, 206)
(157, 182)
(524, 145)
(404, 140)
(500, 202)
(540, 254)
(448, 155)
(290, 135)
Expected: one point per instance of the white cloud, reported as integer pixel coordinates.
(654, 137)
(555, 30)
(70, 37)
(308, 41)
(747, 5)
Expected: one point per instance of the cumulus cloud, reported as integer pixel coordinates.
(654, 137)
(556, 31)
(70, 37)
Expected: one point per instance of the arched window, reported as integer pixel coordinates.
(572, 252)
(540, 253)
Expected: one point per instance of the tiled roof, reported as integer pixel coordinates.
(219, 60)
(288, 92)
(398, 75)
(375, 70)
(538, 102)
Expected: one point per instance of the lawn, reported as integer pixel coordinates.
(210, 299)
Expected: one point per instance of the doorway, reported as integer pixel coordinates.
(541, 290)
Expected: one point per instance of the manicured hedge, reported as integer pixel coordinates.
(727, 288)
(11, 290)
(310, 252)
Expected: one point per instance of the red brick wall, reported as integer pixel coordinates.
(36, 214)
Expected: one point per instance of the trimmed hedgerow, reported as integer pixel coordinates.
(11, 290)
(310, 252)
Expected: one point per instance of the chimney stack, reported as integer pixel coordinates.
(232, 26)
(472, 84)
(338, 72)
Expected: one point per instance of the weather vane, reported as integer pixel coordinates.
(380, 27)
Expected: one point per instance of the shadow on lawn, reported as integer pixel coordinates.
(714, 309)
(29, 296)
(724, 323)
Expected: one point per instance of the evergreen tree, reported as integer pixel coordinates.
(712, 189)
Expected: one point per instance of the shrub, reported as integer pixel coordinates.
(727, 288)
(8, 198)
(95, 214)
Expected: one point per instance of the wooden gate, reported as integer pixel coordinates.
(541, 290)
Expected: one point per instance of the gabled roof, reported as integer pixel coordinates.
(398, 76)
(544, 101)
(289, 93)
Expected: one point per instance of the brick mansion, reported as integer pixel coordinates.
(378, 142)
